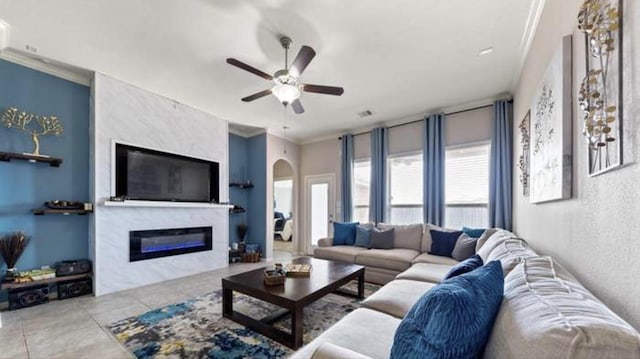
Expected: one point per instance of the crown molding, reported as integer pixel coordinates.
(70, 73)
(245, 134)
(4, 35)
(535, 13)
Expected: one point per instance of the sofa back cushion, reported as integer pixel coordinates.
(507, 248)
(546, 311)
(453, 319)
(425, 245)
(405, 236)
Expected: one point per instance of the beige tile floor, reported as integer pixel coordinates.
(76, 328)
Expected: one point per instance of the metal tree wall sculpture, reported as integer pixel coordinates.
(600, 92)
(48, 125)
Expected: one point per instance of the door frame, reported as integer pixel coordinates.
(306, 246)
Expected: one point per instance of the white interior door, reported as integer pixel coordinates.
(320, 199)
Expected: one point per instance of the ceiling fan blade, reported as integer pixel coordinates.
(297, 106)
(253, 70)
(257, 95)
(301, 62)
(326, 90)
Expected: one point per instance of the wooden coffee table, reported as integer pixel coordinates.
(326, 277)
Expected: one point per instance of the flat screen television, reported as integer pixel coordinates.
(149, 175)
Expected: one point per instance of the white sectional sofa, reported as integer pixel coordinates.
(411, 245)
(545, 311)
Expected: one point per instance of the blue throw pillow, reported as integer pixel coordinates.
(465, 266)
(344, 234)
(474, 232)
(454, 319)
(442, 243)
(363, 236)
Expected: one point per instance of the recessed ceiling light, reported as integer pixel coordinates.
(486, 51)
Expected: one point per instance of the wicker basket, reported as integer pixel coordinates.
(273, 280)
(251, 257)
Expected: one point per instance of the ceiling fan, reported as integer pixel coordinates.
(286, 86)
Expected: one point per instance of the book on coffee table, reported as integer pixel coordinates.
(298, 270)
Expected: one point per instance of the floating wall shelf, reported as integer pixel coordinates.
(8, 156)
(66, 212)
(241, 185)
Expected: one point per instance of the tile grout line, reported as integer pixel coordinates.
(24, 337)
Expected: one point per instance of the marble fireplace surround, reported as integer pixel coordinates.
(127, 114)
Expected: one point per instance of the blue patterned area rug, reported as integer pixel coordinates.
(196, 328)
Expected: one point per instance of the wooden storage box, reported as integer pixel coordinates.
(271, 279)
(251, 257)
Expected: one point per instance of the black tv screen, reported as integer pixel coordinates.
(143, 174)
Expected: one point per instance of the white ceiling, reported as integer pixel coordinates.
(397, 58)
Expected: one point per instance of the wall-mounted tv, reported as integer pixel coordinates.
(144, 174)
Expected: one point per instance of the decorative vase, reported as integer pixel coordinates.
(10, 275)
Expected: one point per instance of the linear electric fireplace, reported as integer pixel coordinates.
(168, 242)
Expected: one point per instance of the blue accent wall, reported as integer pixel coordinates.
(257, 211)
(28, 185)
(238, 172)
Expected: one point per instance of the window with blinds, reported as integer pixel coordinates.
(361, 184)
(405, 188)
(467, 186)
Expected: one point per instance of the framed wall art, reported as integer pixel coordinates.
(600, 94)
(550, 136)
(523, 162)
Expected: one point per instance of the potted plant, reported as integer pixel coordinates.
(11, 248)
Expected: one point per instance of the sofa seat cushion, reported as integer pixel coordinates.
(338, 253)
(332, 351)
(546, 311)
(430, 258)
(426, 272)
(364, 331)
(395, 259)
(397, 297)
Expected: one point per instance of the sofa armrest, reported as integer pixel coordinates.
(325, 242)
(332, 351)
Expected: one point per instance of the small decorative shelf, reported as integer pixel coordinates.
(13, 285)
(241, 185)
(237, 210)
(66, 212)
(8, 156)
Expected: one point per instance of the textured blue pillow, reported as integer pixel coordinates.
(465, 266)
(474, 232)
(344, 234)
(454, 318)
(363, 235)
(442, 243)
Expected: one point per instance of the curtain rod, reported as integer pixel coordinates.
(416, 121)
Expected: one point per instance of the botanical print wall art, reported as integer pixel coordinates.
(550, 132)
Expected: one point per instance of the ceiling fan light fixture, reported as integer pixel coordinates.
(286, 93)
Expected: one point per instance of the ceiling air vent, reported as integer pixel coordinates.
(365, 113)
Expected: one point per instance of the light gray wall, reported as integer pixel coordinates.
(594, 234)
